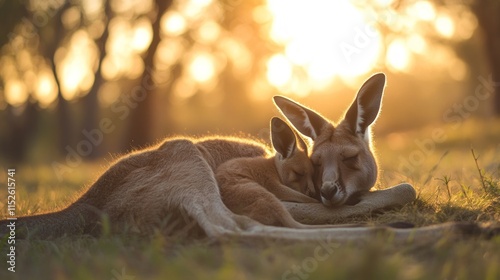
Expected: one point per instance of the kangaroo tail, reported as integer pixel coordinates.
(78, 218)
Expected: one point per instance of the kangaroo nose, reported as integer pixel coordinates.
(328, 192)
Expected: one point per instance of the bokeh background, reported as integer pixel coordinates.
(82, 79)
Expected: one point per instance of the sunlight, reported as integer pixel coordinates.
(445, 26)
(173, 23)
(279, 70)
(142, 35)
(207, 33)
(417, 44)
(109, 68)
(75, 65)
(108, 93)
(202, 67)
(169, 52)
(195, 9)
(384, 3)
(123, 61)
(423, 10)
(237, 54)
(46, 88)
(15, 92)
(327, 39)
(397, 57)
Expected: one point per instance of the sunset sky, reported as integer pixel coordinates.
(315, 47)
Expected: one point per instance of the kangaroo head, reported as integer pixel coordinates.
(344, 164)
(292, 162)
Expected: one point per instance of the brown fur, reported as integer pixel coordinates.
(344, 162)
(142, 187)
(254, 186)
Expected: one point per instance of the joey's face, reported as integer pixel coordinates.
(344, 167)
(297, 173)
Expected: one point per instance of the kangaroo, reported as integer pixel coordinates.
(254, 186)
(176, 180)
(341, 154)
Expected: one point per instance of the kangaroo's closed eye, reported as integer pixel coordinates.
(351, 161)
(351, 158)
(298, 174)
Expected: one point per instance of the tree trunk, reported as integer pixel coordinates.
(487, 13)
(142, 117)
(90, 101)
(22, 127)
(48, 48)
(64, 118)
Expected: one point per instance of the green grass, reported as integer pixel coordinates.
(452, 185)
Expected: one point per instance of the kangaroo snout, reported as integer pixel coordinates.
(329, 189)
(331, 193)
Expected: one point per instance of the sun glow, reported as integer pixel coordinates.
(76, 65)
(445, 26)
(46, 88)
(15, 92)
(325, 39)
(202, 68)
(398, 57)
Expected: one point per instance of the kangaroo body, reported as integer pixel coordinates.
(141, 188)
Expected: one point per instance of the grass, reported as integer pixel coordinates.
(454, 183)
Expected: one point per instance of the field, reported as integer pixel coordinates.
(456, 171)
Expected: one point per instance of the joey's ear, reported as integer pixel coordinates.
(303, 119)
(282, 137)
(364, 110)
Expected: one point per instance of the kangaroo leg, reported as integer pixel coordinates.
(252, 200)
(316, 213)
(334, 236)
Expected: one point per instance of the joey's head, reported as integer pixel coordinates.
(292, 162)
(344, 164)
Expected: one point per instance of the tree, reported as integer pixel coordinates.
(487, 13)
(90, 101)
(141, 119)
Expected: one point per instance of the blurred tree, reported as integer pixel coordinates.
(488, 15)
(22, 121)
(49, 43)
(90, 100)
(22, 126)
(142, 118)
(10, 12)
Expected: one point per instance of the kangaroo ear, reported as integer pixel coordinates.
(364, 110)
(303, 119)
(282, 137)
